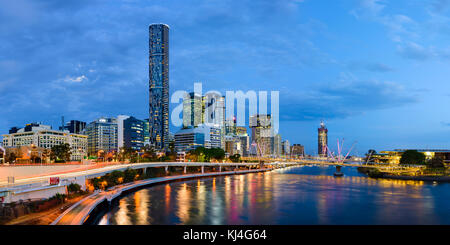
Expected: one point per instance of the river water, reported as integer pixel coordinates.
(304, 195)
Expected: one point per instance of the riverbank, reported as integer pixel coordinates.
(375, 173)
(445, 179)
(83, 211)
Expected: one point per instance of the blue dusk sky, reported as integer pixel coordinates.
(377, 71)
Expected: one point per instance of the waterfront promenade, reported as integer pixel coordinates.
(79, 212)
(38, 187)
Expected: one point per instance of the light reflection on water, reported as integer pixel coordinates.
(300, 195)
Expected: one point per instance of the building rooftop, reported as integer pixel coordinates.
(152, 24)
(423, 150)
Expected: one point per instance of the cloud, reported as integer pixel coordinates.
(78, 79)
(440, 5)
(370, 66)
(415, 51)
(57, 46)
(343, 99)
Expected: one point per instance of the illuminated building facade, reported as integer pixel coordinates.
(322, 140)
(394, 156)
(159, 85)
(146, 132)
(133, 133)
(43, 136)
(286, 148)
(214, 113)
(120, 130)
(192, 110)
(102, 135)
(297, 150)
(263, 135)
(190, 138)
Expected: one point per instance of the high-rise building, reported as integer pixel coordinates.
(159, 85)
(286, 148)
(133, 133)
(263, 135)
(214, 113)
(190, 138)
(276, 145)
(74, 127)
(297, 150)
(102, 135)
(147, 132)
(322, 140)
(192, 110)
(120, 129)
(230, 126)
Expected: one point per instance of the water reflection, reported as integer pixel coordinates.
(302, 195)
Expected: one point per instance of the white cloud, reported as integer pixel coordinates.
(78, 79)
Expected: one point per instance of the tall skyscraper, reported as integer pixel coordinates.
(192, 110)
(263, 134)
(159, 85)
(322, 140)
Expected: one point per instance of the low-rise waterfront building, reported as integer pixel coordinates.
(394, 156)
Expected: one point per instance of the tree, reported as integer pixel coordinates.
(126, 153)
(12, 154)
(149, 152)
(129, 175)
(235, 158)
(371, 152)
(412, 157)
(202, 154)
(436, 162)
(172, 151)
(73, 188)
(61, 152)
(217, 153)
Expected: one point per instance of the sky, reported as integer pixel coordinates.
(376, 71)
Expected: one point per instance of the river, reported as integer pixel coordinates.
(305, 195)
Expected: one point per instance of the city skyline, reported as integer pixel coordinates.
(387, 101)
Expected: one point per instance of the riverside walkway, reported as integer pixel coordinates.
(80, 211)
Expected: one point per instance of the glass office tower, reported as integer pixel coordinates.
(322, 140)
(159, 85)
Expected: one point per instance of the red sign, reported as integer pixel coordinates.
(54, 180)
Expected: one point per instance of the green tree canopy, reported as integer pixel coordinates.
(205, 155)
(235, 158)
(412, 157)
(61, 152)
